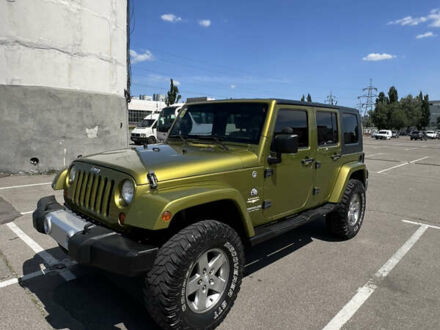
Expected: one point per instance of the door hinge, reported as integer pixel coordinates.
(266, 204)
(315, 190)
(268, 172)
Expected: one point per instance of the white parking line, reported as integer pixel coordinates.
(421, 224)
(27, 212)
(377, 154)
(21, 279)
(363, 293)
(66, 274)
(26, 185)
(403, 164)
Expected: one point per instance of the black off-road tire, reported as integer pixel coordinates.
(164, 292)
(338, 221)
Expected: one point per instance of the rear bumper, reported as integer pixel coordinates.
(91, 244)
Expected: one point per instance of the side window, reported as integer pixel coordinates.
(294, 121)
(350, 127)
(327, 124)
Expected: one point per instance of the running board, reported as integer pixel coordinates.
(265, 232)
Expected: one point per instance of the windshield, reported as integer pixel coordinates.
(238, 122)
(166, 119)
(383, 132)
(146, 123)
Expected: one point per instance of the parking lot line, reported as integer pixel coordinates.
(66, 274)
(27, 212)
(22, 278)
(8, 282)
(403, 164)
(363, 293)
(26, 185)
(376, 154)
(421, 224)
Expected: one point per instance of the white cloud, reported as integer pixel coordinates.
(433, 17)
(205, 22)
(233, 86)
(378, 57)
(171, 18)
(425, 35)
(136, 58)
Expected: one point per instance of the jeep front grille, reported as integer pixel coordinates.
(92, 192)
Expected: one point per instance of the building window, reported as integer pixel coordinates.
(327, 124)
(294, 122)
(136, 116)
(350, 127)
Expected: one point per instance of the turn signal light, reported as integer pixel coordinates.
(166, 216)
(122, 218)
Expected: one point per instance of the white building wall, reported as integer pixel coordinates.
(70, 44)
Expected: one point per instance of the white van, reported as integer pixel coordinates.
(146, 130)
(166, 119)
(384, 134)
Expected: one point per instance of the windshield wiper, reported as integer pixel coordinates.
(211, 137)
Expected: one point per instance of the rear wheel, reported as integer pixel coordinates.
(347, 219)
(151, 140)
(196, 277)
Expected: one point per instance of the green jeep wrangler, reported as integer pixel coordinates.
(232, 174)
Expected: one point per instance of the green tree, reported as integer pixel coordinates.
(380, 116)
(302, 98)
(398, 119)
(413, 110)
(426, 113)
(173, 95)
(392, 95)
(309, 98)
(382, 98)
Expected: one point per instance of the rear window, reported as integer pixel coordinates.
(327, 123)
(350, 127)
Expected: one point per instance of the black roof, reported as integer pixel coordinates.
(314, 104)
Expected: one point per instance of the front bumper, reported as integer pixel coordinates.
(91, 244)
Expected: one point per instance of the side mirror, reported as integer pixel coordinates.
(285, 144)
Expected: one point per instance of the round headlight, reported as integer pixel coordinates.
(127, 191)
(72, 174)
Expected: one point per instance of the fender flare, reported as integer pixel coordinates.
(345, 173)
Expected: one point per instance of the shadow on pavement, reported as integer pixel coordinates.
(94, 300)
(99, 300)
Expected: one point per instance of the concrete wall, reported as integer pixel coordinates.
(63, 73)
(56, 126)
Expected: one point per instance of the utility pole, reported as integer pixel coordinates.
(331, 99)
(366, 100)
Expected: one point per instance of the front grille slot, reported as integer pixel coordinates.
(93, 192)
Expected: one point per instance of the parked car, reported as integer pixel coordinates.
(418, 135)
(180, 214)
(374, 133)
(395, 134)
(431, 134)
(383, 134)
(145, 132)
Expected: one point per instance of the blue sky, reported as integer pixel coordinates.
(245, 49)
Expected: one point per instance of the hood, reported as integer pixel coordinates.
(139, 130)
(171, 161)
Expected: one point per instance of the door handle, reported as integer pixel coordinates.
(336, 156)
(307, 161)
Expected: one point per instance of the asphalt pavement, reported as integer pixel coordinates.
(384, 278)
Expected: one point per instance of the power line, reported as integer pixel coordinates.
(331, 99)
(366, 100)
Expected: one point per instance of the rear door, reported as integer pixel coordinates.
(328, 153)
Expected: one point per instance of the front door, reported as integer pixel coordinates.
(289, 187)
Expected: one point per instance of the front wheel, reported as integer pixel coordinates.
(347, 219)
(196, 277)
